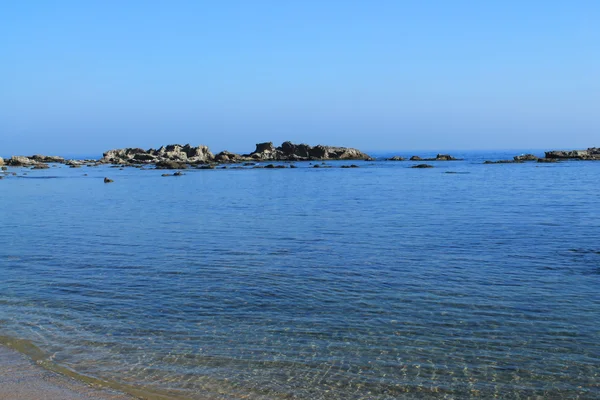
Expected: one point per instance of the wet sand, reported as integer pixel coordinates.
(22, 379)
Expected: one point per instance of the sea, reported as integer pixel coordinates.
(464, 280)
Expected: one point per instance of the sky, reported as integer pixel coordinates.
(82, 77)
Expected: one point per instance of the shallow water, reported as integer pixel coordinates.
(380, 282)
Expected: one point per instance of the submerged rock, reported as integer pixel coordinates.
(502, 162)
(422, 166)
(107, 180)
(41, 166)
(547, 160)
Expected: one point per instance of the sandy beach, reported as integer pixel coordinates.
(22, 379)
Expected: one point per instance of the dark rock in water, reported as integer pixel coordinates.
(206, 167)
(166, 175)
(178, 173)
(316, 166)
(106, 180)
(169, 164)
(271, 166)
(502, 162)
(547, 160)
(289, 151)
(227, 157)
(349, 166)
(592, 153)
(47, 159)
(525, 157)
(41, 166)
(422, 166)
(396, 158)
(293, 166)
(4, 168)
(439, 157)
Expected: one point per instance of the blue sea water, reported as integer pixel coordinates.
(378, 282)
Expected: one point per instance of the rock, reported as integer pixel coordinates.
(166, 175)
(445, 157)
(547, 160)
(1, 161)
(21, 161)
(41, 166)
(396, 158)
(592, 153)
(227, 157)
(170, 164)
(439, 157)
(106, 180)
(297, 152)
(349, 166)
(206, 167)
(4, 168)
(178, 173)
(293, 166)
(525, 157)
(422, 166)
(502, 162)
(48, 159)
(185, 154)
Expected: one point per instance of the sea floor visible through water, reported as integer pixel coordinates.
(378, 282)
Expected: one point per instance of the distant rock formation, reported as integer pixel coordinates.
(174, 152)
(439, 157)
(177, 156)
(503, 162)
(289, 151)
(33, 161)
(525, 157)
(396, 158)
(592, 153)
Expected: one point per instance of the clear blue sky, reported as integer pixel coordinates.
(86, 76)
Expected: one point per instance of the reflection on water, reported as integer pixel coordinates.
(382, 282)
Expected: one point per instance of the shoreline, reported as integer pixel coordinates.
(26, 374)
(24, 379)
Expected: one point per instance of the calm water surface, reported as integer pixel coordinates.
(381, 282)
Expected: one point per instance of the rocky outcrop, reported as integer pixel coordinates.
(174, 156)
(396, 158)
(289, 151)
(525, 157)
(547, 160)
(439, 157)
(48, 159)
(174, 152)
(503, 162)
(21, 161)
(422, 166)
(1, 161)
(108, 180)
(593, 153)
